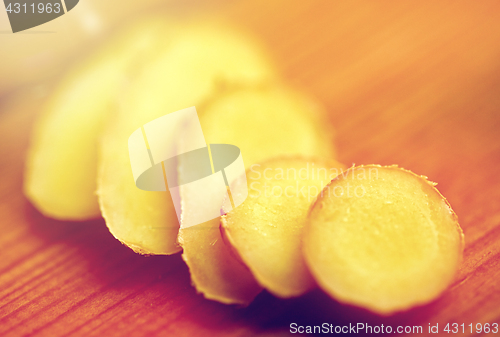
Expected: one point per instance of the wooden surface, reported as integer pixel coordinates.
(411, 84)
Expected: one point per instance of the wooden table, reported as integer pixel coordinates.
(414, 84)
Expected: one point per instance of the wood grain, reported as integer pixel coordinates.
(414, 84)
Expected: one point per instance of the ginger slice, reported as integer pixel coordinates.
(248, 118)
(203, 57)
(215, 272)
(266, 230)
(145, 221)
(382, 238)
(61, 165)
(268, 122)
(60, 178)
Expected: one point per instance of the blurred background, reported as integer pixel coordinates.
(410, 83)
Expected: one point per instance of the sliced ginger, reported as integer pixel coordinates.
(248, 118)
(202, 58)
(186, 61)
(268, 122)
(60, 176)
(383, 238)
(215, 272)
(153, 69)
(143, 220)
(266, 230)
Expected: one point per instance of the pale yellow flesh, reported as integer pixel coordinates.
(247, 118)
(214, 270)
(268, 122)
(165, 60)
(60, 176)
(201, 58)
(143, 220)
(266, 230)
(384, 239)
(141, 76)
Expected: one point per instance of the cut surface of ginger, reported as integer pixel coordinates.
(201, 57)
(266, 230)
(61, 166)
(382, 238)
(267, 122)
(162, 57)
(248, 118)
(215, 272)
